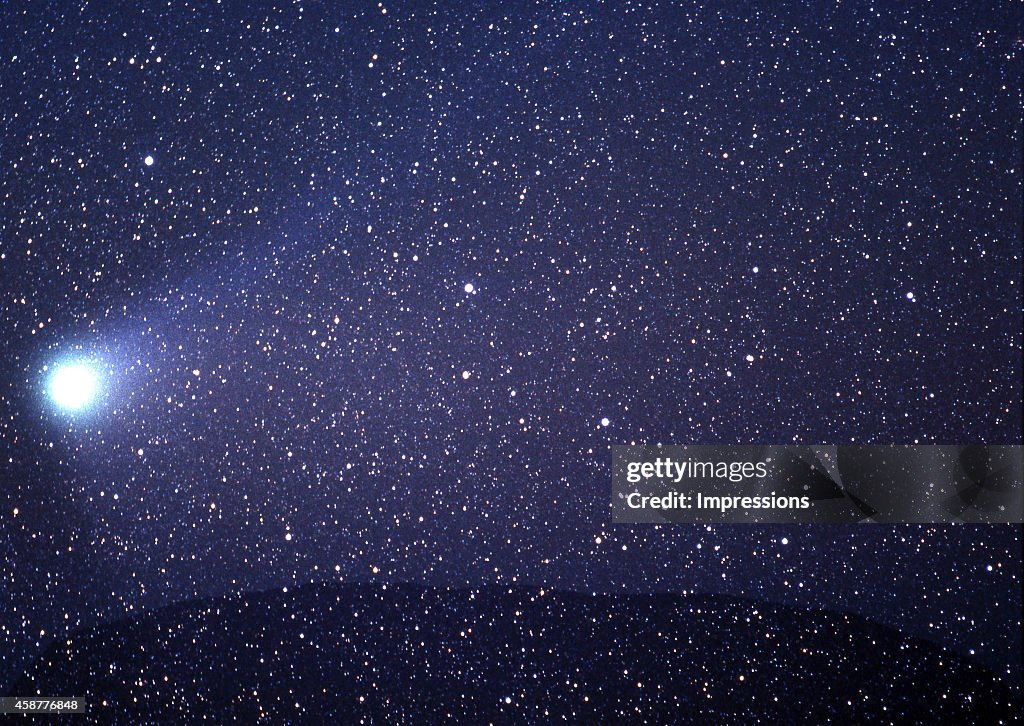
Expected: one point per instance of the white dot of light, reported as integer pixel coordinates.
(149, 160)
(469, 287)
(73, 386)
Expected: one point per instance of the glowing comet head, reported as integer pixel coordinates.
(73, 386)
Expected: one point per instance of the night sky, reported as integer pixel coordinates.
(368, 291)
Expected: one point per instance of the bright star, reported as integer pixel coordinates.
(149, 160)
(72, 386)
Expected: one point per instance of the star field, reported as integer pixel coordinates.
(371, 291)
